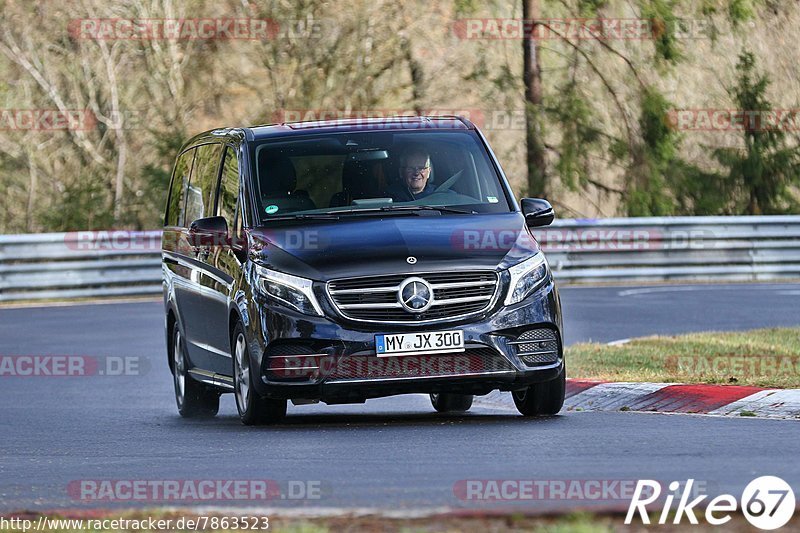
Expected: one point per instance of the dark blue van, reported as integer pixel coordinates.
(354, 259)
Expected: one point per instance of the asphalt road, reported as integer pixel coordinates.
(605, 314)
(393, 453)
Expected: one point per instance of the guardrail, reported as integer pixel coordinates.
(86, 264)
(125, 263)
(757, 248)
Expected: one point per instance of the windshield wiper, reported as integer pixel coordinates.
(440, 208)
(404, 209)
(305, 216)
(371, 210)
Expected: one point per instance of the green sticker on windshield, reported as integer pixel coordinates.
(271, 209)
(492, 199)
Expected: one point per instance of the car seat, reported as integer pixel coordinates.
(278, 179)
(360, 179)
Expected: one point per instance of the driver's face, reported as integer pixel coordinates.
(416, 172)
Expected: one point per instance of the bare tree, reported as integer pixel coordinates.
(532, 76)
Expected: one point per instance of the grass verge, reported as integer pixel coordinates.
(759, 357)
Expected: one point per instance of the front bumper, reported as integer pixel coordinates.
(334, 360)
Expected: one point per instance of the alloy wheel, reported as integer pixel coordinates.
(242, 373)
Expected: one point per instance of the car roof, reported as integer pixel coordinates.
(356, 124)
(290, 129)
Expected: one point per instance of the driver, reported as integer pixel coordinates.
(415, 171)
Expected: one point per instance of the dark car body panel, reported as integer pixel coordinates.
(372, 246)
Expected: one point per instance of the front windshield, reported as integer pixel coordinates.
(355, 173)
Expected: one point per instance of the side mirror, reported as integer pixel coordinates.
(208, 231)
(538, 212)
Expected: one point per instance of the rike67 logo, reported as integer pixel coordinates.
(767, 502)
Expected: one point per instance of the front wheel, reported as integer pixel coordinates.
(193, 398)
(446, 402)
(542, 399)
(252, 409)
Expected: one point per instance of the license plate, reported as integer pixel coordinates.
(419, 343)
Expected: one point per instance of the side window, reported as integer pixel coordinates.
(229, 189)
(200, 194)
(180, 181)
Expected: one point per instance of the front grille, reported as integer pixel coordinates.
(374, 298)
(537, 346)
(474, 361)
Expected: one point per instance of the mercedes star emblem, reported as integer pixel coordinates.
(415, 295)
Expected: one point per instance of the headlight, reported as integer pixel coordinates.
(526, 277)
(292, 291)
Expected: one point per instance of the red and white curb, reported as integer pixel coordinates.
(720, 400)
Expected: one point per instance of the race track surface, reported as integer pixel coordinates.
(392, 453)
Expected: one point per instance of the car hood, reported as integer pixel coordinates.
(364, 246)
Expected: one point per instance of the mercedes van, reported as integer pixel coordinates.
(338, 261)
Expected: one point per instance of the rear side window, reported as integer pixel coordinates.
(229, 187)
(180, 181)
(203, 184)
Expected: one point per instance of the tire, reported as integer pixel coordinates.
(542, 399)
(446, 402)
(253, 410)
(193, 398)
